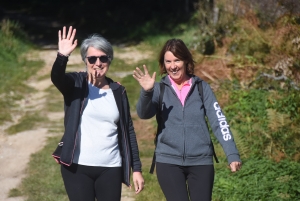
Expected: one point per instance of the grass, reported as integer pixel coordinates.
(27, 122)
(15, 68)
(55, 100)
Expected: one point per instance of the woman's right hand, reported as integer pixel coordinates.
(66, 43)
(144, 79)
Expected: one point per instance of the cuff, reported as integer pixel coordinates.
(233, 157)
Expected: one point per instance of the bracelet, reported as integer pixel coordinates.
(62, 54)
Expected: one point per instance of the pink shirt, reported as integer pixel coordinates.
(184, 90)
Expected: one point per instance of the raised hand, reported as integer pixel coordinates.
(145, 80)
(66, 43)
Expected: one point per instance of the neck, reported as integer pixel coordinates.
(182, 81)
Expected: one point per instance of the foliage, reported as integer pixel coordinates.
(259, 179)
(14, 67)
(267, 122)
(118, 20)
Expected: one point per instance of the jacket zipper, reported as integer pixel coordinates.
(81, 111)
(184, 137)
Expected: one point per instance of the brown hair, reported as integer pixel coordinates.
(179, 50)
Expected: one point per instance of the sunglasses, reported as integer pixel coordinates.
(93, 59)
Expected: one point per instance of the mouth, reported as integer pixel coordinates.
(98, 69)
(174, 71)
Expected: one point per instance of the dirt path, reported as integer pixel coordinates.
(15, 150)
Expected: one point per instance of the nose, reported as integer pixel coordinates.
(173, 64)
(98, 62)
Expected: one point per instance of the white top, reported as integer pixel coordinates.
(97, 142)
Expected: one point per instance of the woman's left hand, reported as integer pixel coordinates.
(235, 166)
(138, 182)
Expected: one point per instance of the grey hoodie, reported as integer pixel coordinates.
(184, 138)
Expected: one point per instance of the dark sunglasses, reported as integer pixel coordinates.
(93, 59)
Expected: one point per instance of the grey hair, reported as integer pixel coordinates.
(98, 42)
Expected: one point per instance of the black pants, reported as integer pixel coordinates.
(184, 183)
(85, 183)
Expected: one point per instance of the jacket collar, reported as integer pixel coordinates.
(195, 79)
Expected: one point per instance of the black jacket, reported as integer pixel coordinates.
(74, 88)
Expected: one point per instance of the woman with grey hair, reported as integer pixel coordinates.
(98, 150)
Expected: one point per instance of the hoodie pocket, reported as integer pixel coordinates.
(171, 141)
(197, 141)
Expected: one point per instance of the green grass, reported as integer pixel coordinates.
(259, 179)
(54, 100)
(15, 69)
(27, 122)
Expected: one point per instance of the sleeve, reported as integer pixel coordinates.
(135, 158)
(59, 78)
(219, 124)
(148, 102)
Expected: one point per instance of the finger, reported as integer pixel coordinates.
(73, 34)
(75, 44)
(69, 32)
(232, 168)
(91, 78)
(139, 71)
(136, 186)
(59, 35)
(138, 189)
(141, 186)
(137, 74)
(64, 32)
(135, 77)
(145, 69)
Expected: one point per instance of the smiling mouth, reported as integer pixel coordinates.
(174, 71)
(97, 69)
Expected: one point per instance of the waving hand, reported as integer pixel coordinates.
(66, 43)
(145, 80)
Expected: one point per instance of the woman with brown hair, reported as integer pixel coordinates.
(184, 151)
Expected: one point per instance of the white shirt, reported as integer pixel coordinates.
(97, 143)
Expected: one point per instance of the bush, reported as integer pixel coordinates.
(259, 179)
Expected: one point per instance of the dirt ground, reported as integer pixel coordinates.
(15, 150)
